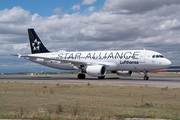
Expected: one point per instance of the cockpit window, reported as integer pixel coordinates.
(157, 56)
(161, 56)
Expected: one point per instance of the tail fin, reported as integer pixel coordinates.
(35, 43)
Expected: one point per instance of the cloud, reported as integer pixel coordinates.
(35, 16)
(88, 2)
(169, 24)
(15, 15)
(84, 2)
(57, 10)
(135, 6)
(76, 7)
(156, 29)
(91, 9)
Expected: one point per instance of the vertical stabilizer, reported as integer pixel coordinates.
(35, 43)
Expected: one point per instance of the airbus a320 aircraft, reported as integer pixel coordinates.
(96, 63)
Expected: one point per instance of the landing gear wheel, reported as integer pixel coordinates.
(102, 77)
(145, 75)
(81, 76)
(146, 78)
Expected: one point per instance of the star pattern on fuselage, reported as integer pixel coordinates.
(36, 45)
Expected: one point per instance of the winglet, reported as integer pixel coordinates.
(19, 55)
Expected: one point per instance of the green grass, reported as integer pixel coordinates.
(65, 101)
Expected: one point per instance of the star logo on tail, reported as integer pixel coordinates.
(36, 45)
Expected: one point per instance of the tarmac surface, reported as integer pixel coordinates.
(154, 81)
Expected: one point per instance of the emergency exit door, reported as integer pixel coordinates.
(142, 56)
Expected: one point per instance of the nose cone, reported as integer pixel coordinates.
(167, 63)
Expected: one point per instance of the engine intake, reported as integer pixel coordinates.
(96, 70)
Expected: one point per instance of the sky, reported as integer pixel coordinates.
(85, 25)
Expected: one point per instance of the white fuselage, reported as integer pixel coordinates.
(127, 60)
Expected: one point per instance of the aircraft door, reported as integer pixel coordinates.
(142, 56)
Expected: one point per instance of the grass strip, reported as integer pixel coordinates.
(71, 101)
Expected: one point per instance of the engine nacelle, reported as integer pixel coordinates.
(124, 73)
(96, 70)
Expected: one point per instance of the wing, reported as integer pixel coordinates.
(49, 59)
(76, 62)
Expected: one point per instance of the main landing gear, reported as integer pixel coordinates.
(102, 77)
(81, 76)
(145, 76)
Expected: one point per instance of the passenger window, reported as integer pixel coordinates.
(153, 56)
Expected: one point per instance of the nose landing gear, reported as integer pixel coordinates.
(145, 75)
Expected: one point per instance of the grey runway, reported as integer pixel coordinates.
(154, 81)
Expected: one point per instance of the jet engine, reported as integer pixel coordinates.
(96, 70)
(124, 73)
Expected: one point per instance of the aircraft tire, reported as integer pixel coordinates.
(146, 78)
(102, 77)
(81, 76)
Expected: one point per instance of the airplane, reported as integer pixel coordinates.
(96, 63)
